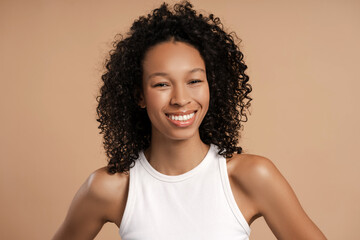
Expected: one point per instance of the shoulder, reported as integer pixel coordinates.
(252, 167)
(109, 191)
(272, 197)
(100, 199)
(255, 174)
(104, 185)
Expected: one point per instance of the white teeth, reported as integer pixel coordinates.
(181, 117)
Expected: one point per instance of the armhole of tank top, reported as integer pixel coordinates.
(129, 202)
(230, 196)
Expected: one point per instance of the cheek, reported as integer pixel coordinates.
(203, 96)
(156, 100)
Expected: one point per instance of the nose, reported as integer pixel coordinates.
(180, 96)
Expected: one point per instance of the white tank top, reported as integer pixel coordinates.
(195, 205)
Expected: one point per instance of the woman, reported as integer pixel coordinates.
(174, 95)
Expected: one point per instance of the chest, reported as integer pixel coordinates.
(196, 206)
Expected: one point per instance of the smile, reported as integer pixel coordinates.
(182, 117)
(181, 120)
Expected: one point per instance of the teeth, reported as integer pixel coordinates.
(181, 117)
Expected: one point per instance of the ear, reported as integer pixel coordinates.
(141, 102)
(139, 97)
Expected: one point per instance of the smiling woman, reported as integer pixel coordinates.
(171, 106)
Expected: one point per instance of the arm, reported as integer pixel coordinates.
(93, 205)
(277, 202)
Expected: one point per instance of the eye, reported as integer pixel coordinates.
(160, 85)
(195, 81)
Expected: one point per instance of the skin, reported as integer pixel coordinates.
(168, 85)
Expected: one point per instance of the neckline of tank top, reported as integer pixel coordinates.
(176, 178)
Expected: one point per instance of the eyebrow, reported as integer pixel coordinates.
(162, 74)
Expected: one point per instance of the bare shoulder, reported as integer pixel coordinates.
(100, 199)
(272, 197)
(253, 171)
(106, 186)
(109, 189)
(258, 177)
(247, 173)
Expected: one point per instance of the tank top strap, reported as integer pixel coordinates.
(130, 198)
(230, 196)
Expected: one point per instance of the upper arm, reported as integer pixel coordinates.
(93, 205)
(276, 201)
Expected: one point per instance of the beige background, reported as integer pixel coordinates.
(303, 59)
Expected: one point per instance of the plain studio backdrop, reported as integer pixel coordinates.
(303, 59)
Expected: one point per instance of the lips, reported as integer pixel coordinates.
(182, 119)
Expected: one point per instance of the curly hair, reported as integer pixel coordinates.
(127, 127)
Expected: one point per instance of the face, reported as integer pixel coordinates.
(175, 90)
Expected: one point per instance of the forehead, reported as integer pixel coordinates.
(172, 57)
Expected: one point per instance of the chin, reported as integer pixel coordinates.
(180, 135)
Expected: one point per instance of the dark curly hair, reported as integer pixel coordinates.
(126, 126)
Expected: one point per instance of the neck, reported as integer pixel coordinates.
(175, 157)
